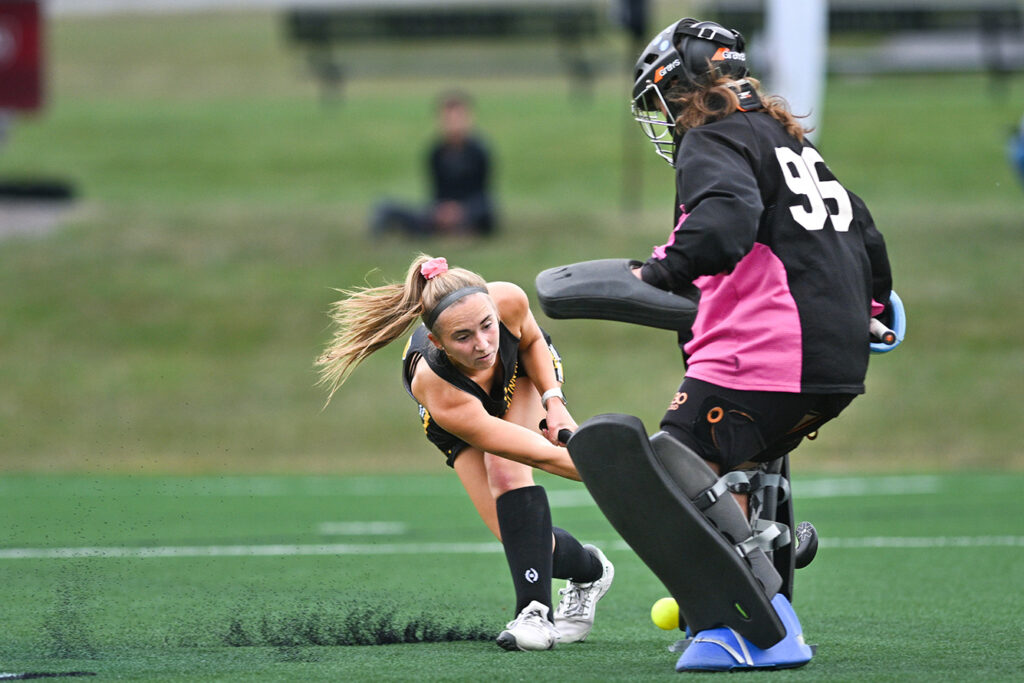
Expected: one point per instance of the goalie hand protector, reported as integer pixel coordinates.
(607, 289)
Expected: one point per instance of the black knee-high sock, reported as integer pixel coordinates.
(524, 519)
(572, 561)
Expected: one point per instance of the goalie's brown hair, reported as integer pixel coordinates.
(718, 99)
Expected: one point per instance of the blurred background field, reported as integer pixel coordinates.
(169, 322)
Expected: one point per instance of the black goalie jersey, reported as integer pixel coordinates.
(789, 263)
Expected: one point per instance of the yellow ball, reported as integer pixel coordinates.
(665, 614)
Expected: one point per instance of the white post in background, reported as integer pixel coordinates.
(798, 50)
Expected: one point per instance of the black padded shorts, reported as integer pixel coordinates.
(729, 426)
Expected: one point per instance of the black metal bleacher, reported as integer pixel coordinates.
(326, 30)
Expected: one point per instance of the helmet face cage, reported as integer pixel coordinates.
(651, 111)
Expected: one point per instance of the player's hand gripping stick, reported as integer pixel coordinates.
(563, 434)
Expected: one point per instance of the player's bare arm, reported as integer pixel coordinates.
(460, 414)
(514, 308)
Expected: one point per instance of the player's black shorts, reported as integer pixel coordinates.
(730, 427)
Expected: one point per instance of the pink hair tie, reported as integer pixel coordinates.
(434, 267)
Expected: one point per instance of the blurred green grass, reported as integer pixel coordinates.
(171, 324)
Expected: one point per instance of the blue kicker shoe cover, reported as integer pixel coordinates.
(723, 649)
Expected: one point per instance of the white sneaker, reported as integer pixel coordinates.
(574, 616)
(531, 630)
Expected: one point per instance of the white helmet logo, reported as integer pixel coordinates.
(660, 73)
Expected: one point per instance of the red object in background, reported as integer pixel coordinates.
(21, 81)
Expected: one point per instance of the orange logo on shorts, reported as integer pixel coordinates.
(678, 400)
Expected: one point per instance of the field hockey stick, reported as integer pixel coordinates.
(563, 434)
(884, 339)
(807, 544)
(881, 333)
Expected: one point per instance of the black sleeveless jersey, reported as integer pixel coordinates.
(496, 402)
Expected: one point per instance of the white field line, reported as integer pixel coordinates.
(802, 490)
(273, 487)
(244, 487)
(362, 528)
(865, 486)
(892, 542)
(252, 550)
(923, 542)
(90, 7)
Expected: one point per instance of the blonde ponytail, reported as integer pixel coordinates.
(367, 319)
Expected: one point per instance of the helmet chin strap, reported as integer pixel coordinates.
(749, 99)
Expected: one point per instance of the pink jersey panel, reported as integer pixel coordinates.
(659, 252)
(747, 333)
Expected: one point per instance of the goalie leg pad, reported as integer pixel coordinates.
(607, 289)
(645, 488)
(695, 479)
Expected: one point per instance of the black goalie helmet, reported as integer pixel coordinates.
(685, 56)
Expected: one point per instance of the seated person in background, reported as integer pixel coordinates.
(459, 164)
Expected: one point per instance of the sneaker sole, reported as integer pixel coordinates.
(507, 641)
